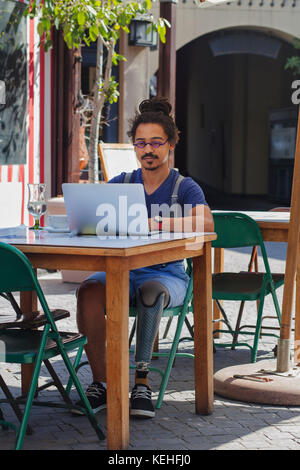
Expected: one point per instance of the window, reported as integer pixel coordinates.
(13, 89)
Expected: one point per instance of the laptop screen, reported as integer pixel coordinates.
(106, 209)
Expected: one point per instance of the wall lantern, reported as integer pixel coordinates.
(141, 34)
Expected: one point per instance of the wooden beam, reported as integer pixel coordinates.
(72, 119)
(65, 120)
(291, 266)
(166, 78)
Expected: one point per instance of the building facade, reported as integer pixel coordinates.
(25, 110)
(233, 98)
(233, 95)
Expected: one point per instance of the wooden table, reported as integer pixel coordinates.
(53, 251)
(274, 227)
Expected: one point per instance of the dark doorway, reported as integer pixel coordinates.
(228, 85)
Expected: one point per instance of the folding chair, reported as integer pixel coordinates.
(180, 312)
(238, 230)
(22, 343)
(253, 264)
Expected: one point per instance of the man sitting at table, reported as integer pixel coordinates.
(154, 134)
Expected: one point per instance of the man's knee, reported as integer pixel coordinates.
(91, 290)
(151, 290)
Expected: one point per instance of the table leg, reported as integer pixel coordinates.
(117, 362)
(203, 339)
(28, 304)
(297, 310)
(218, 268)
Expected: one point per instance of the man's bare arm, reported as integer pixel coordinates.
(199, 219)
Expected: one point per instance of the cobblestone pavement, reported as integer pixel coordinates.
(232, 426)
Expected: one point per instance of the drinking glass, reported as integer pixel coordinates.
(36, 203)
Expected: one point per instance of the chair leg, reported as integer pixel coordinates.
(156, 346)
(8, 296)
(73, 376)
(30, 397)
(75, 365)
(258, 326)
(32, 389)
(186, 321)
(238, 324)
(170, 362)
(226, 321)
(57, 383)
(276, 305)
(167, 327)
(132, 332)
(12, 403)
(253, 261)
(3, 423)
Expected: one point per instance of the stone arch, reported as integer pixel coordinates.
(193, 22)
(225, 128)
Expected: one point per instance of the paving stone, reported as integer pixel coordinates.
(233, 425)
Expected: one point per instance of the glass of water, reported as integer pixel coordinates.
(36, 203)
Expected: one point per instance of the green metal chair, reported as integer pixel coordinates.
(22, 343)
(253, 265)
(236, 230)
(180, 312)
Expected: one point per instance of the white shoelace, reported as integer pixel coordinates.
(94, 390)
(141, 392)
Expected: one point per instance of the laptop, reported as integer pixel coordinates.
(106, 209)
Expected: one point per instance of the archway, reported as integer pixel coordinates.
(230, 85)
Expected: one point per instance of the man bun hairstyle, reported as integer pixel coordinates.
(156, 110)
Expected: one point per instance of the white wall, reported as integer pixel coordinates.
(193, 22)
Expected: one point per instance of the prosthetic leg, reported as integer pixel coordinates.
(148, 320)
(147, 325)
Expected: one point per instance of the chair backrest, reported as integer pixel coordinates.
(17, 275)
(235, 230)
(116, 158)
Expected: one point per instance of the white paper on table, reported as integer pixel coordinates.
(13, 232)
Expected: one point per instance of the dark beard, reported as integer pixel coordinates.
(149, 168)
(149, 155)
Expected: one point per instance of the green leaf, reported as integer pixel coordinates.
(46, 23)
(81, 18)
(147, 4)
(119, 57)
(68, 40)
(161, 29)
(293, 63)
(93, 32)
(40, 29)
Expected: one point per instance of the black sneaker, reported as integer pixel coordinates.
(96, 395)
(140, 401)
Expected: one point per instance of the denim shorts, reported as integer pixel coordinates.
(171, 275)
